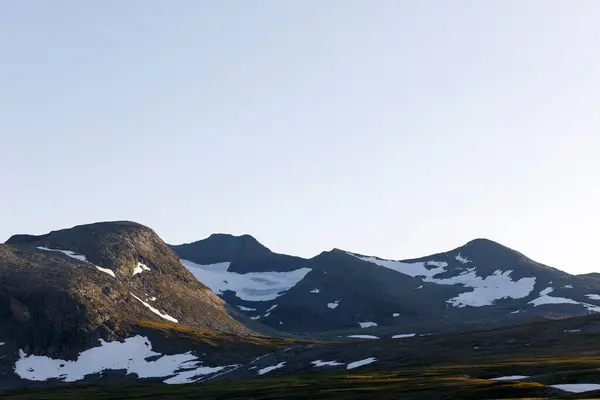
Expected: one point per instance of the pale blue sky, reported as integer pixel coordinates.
(394, 128)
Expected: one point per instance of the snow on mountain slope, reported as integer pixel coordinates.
(545, 298)
(253, 286)
(79, 257)
(486, 290)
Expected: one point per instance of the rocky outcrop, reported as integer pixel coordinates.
(62, 291)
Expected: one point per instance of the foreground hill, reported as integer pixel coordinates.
(62, 291)
(549, 359)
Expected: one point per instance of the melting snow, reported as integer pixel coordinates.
(546, 299)
(367, 324)
(80, 257)
(593, 296)
(315, 291)
(106, 271)
(246, 308)
(129, 355)
(577, 387)
(462, 259)
(404, 335)
(155, 311)
(320, 363)
(437, 263)
(141, 267)
(395, 314)
(363, 337)
(546, 291)
(69, 253)
(510, 378)
(360, 363)
(253, 286)
(271, 368)
(334, 305)
(486, 290)
(271, 308)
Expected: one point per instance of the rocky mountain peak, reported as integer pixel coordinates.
(244, 253)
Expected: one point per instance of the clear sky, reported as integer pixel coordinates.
(385, 127)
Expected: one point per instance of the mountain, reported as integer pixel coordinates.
(481, 283)
(243, 253)
(61, 291)
(112, 303)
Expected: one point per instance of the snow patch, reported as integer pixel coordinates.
(106, 271)
(420, 287)
(271, 368)
(255, 318)
(69, 253)
(253, 286)
(319, 363)
(334, 305)
(271, 309)
(462, 259)
(568, 286)
(593, 296)
(546, 291)
(140, 267)
(155, 311)
(79, 257)
(246, 308)
(130, 355)
(367, 324)
(363, 337)
(315, 291)
(515, 312)
(395, 315)
(485, 291)
(577, 387)
(545, 298)
(360, 363)
(404, 335)
(572, 330)
(437, 263)
(510, 378)
(2, 343)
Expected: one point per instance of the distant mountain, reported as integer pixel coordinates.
(244, 253)
(482, 282)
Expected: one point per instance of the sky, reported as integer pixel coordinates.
(396, 128)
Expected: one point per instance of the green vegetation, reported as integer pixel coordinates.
(457, 379)
(450, 366)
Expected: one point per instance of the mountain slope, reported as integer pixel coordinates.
(481, 282)
(61, 291)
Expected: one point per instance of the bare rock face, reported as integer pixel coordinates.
(62, 291)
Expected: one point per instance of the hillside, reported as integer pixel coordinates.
(62, 291)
